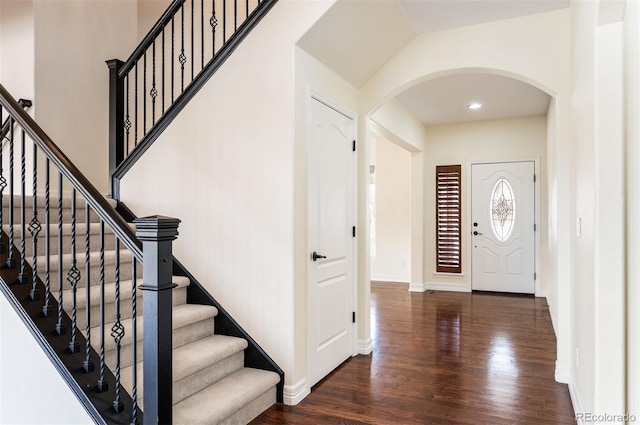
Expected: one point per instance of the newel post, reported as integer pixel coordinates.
(116, 122)
(157, 234)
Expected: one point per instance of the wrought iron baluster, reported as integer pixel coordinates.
(127, 120)
(224, 22)
(144, 94)
(246, 16)
(35, 227)
(154, 91)
(102, 385)
(235, 15)
(60, 327)
(10, 262)
(73, 276)
(22, 276)
(87, 364)
(193, 53)
(173, 58)
(182, 58)
(163, 71)
(3, 185)
(134, 338)
(201, 35)
(214, 23)
(47, 310)
(135, 107)
(117, 332)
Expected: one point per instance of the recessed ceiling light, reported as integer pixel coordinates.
(474, 105)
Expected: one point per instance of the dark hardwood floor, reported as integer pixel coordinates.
(443, 358)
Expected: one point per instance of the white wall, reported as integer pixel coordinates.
(392, 259)
(31, 390)
(494, 140)
(17, 48)
(225, 167)
(73, 39)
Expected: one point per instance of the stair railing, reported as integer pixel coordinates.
(46, 291)
(185, 47)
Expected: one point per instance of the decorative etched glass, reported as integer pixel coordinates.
(503, 210)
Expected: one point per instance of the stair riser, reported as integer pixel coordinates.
(181, 336)
(179, 296)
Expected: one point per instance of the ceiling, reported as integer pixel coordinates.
(355, 38)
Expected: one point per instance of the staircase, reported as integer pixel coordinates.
(210, 383)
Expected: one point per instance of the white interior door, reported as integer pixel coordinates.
(331, 217)
(503, 227)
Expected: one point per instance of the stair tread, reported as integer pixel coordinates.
(183, 315)
(220, 400)
(194, 357)
(109, 292)
(53, 201)
(94, 229)
(94, 258)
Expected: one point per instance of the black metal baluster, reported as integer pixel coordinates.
(182, 58)
(173, 58)
(163, 70)
(224, 22)
(73, 276)
(10, 262)
(35, 227)
(3, 185)
(235, 15)
(102, 385)
(134, 338)
(144, 94)
(22, 276)
(60, 327)
(135, 108)
(193, 53)
(154, 91)
(87, 364)
(202, 35)
(214, 23)
(47, 310)
(247, 10)
(127, 120)
(117, 332)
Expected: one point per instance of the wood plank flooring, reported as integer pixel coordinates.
(443, 358)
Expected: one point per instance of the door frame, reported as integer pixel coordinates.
(313, 95)
(536, 237)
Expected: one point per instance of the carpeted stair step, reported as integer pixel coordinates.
(236, 399)
(197, 365)
(178, 295)
(94, 238)
(191, 322)
(94, 271)
(53, 209)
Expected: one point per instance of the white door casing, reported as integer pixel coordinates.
(331, 219)
(503, 227)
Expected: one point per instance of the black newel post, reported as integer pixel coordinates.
(157, 234)
(116, 121)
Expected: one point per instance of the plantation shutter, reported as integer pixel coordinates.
(448, 218)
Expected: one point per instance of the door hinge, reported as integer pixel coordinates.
(534, 178)
(354, 145)
(535, 276)
(535, 227)
(353, 317)
(353, 231)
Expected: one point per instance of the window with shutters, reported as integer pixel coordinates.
(448, 218)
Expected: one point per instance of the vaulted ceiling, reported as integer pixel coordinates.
(355, 38)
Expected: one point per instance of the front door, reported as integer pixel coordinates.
(503, 227)
(331, 242)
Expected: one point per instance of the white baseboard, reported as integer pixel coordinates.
(417, 287)
(365, 347)
(561, 374)
(577, 403)
(552, 313)
(294, 394)
(446, 286)
(388, 278)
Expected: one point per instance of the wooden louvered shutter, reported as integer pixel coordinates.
(448, 218)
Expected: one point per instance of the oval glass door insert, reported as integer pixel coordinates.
(503, 210)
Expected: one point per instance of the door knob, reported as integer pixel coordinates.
(315, 256)
(476, 233)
